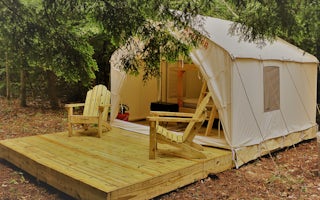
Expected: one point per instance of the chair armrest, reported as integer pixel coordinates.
(69, 107)
(72, 105)
(171, 119)
(171, 114)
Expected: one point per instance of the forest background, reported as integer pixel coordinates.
(55, 50)
(52, 51)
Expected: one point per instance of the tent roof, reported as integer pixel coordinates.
(217, 30)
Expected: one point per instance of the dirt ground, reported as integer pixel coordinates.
(287, 174)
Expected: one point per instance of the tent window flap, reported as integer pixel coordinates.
(271, 84)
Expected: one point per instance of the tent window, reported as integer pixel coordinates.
(271, 82)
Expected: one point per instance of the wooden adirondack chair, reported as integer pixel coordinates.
(95, 110)
(187, 148)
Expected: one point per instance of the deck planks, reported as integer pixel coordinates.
(115, 166)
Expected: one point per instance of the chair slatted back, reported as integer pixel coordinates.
(201, 114)
(97, 96)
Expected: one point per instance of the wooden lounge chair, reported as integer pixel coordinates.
(186, 147)
(95, 110)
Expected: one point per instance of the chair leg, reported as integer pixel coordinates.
(85, 126)
(107, 127)
(192, 152)
(99, 130)
(69, 129)
(70, 113)
(100, 124)
(197, 146)
(184, 150)
(152, 140)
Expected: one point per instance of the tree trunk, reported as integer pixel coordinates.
(23, 88)
(7, 78)
(318, 144)
(52, 90)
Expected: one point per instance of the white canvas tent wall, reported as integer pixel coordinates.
(234, 71)
(130, 90)
(138, 95)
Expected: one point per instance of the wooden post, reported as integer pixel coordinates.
(180, 85)
(152, 142)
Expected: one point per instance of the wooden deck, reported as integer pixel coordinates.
(115, 166)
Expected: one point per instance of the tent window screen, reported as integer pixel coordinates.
(271, 82)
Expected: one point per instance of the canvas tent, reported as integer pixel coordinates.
(265, 96)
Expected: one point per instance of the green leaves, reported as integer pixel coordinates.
(75, 39)
(296, 21)
(47, 35)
